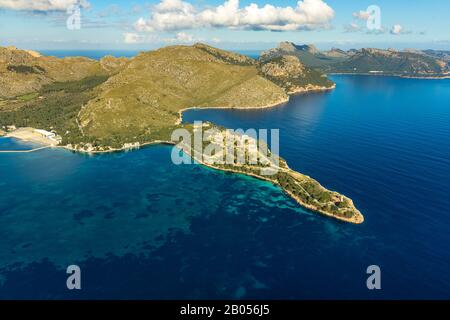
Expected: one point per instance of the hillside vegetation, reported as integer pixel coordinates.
(307, 54)
(116, 100)
(23, 72)
(148, 94)
(289, 73)
(54, 107)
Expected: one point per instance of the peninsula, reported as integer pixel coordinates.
(422, 64)
(117, 103)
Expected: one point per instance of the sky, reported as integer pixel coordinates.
(228, 24)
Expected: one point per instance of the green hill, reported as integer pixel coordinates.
(292, 75)
(23, 72)
(307, 54)
(115, 100)
(149, 93)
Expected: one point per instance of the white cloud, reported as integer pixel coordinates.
(42, 5)
(133, 38)
(170, 15)
(361, 15)
(398, 30)
(136, 38)
(174, 5)
(182, 37)
(352, 27)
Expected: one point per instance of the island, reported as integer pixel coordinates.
(116, 103)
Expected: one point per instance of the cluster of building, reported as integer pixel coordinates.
(48, 135)
(229, 147)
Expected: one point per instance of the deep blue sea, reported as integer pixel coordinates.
(142, 227)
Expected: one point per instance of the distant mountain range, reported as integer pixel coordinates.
(406, 63)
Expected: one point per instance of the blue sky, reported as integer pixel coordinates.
(232, 24)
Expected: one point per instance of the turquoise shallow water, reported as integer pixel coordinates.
(61, 208)
(141, 227)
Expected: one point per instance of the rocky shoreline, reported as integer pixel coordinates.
(311, 89)
(271, 105)
(389, 75)
(357, 217)
(354, 220)
(297, 91)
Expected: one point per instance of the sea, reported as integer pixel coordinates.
(140, 227)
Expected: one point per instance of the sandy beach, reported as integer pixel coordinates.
(29, 134)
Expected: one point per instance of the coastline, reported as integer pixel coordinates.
(299, 91)
(353, 220)
(40, 145)
(358, 218)
(271, 105)
(386, 75)
(180, 117)
(29, 135)
(123, 149)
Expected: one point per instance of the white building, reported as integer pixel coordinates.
(47, 134)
